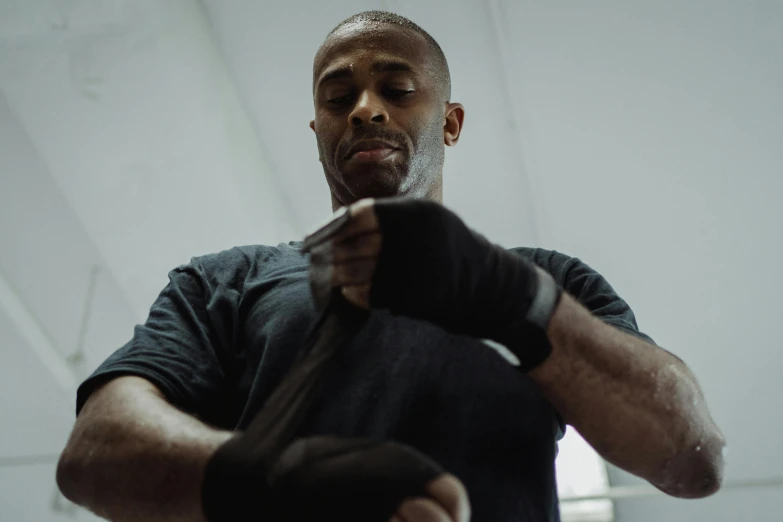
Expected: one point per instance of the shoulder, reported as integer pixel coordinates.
(588, 286)
(561, 266)
(234, 265)
(573, 274)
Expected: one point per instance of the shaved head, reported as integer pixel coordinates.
(383, 115)
(371, 19)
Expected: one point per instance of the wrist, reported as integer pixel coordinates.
(525, 331)
(545, 300)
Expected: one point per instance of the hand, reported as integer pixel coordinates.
(329, 479)
(417, 258)
(359, 480)
(345, 252)
(448, 502)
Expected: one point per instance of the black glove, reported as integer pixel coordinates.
(354, 480)
(325, 479)
(433, 267)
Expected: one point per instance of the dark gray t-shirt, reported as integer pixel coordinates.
(224, 331)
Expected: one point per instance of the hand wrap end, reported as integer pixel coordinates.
(527, 337)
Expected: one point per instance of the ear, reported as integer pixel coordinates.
(455, 116)
(312, 126)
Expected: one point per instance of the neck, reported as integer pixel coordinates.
(434, 193)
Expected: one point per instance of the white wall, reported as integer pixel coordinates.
(654, 135)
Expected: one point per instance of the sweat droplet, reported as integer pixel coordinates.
(698, 448)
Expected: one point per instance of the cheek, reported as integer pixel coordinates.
(327, 140)
(426, 131)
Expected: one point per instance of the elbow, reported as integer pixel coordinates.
(64, 476)
(696, 472)
(707, 480)
(72, 472)
(67, 476)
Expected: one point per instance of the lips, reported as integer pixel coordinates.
(371, 150)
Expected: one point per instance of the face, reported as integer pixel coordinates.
(381, 120)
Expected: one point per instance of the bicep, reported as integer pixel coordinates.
(116, 405)
(111, 392)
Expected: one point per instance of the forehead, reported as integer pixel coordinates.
(361, 42)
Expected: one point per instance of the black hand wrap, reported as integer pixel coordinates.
(262, 475)
(433, 267)
(352, 480)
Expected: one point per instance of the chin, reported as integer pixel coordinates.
(374, 183)
(377, 191)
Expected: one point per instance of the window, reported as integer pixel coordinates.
(581, 471)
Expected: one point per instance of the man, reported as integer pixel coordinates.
(165, 427)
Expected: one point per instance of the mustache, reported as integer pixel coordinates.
(395, 138)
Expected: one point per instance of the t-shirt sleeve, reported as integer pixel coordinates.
(177, 348)
(595, 293)
(587, 286)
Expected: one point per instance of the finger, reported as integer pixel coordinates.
(339, 220)
(449, 491)
(357, 247)
(358, 295)
(423, 510)
(347, 222)
(350, 273)
(363, 209)
(363, 220)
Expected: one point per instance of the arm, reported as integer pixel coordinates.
(132, 456)
(639, 406)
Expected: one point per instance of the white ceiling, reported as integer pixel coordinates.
(644, 138)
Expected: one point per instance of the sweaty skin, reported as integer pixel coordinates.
(376, 85)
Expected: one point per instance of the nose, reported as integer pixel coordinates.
(368, 109)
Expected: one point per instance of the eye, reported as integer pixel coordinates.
(397, 94)
(340, 100)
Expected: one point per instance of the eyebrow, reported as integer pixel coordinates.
(379, 67)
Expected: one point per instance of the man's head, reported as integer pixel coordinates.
(381, 90)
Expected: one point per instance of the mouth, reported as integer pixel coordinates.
(371, 151)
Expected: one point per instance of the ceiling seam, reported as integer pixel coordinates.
(36, 336)
(501, 42)
(285, 200)
(59, 363)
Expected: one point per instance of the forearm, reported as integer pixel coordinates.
(636, 404)
(134, 457)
